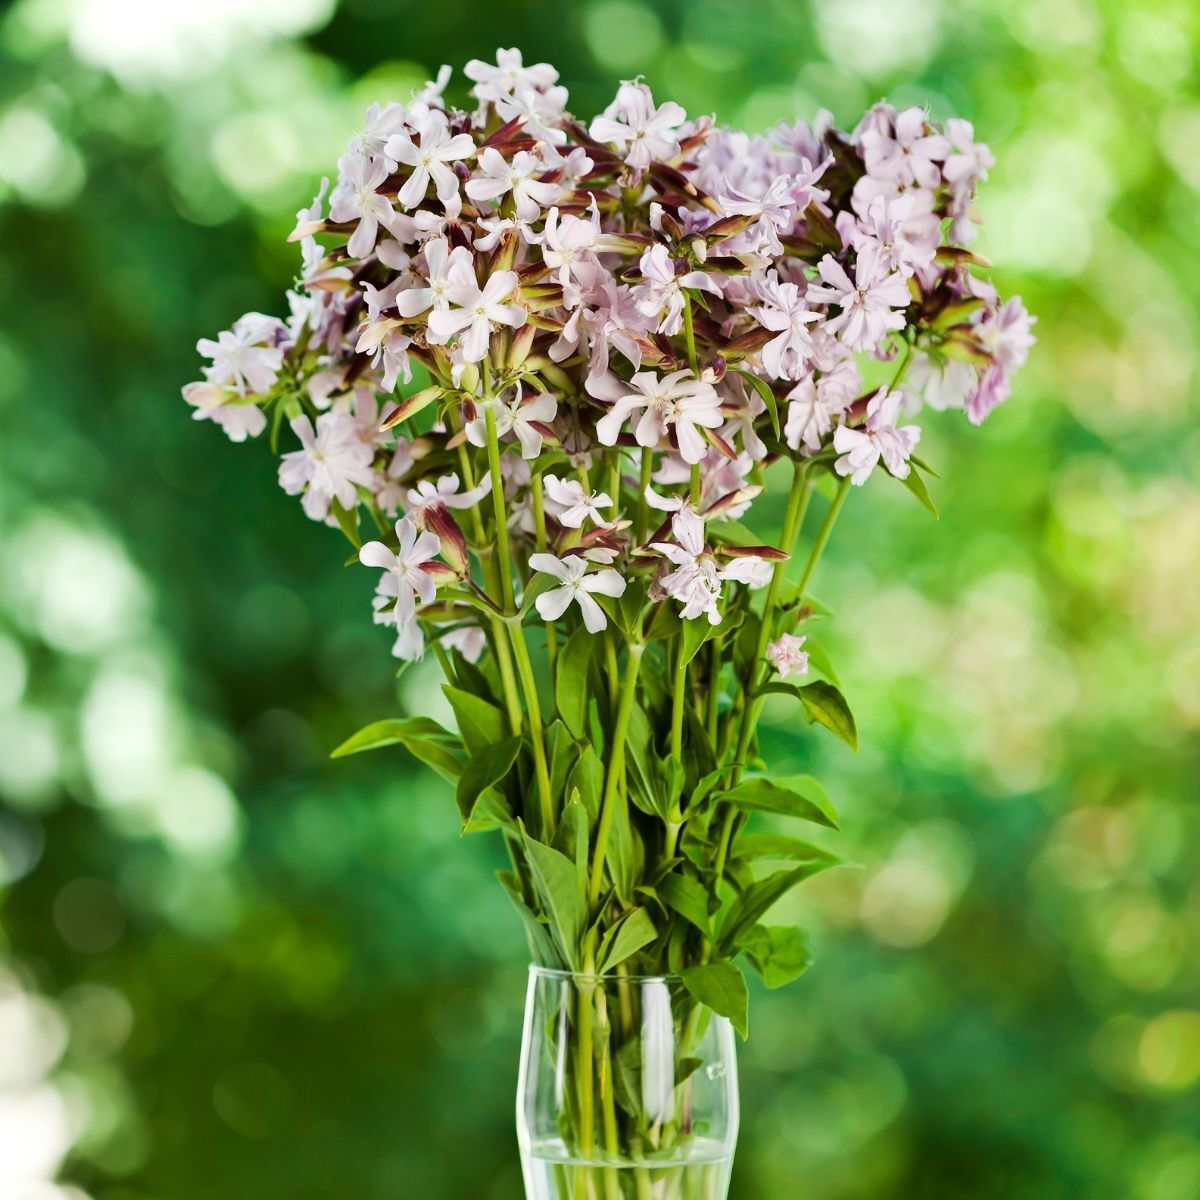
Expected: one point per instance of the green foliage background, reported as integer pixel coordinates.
(229, 967)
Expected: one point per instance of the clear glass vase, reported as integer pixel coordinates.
(628, 1091)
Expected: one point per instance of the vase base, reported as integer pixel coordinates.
(551, 1173)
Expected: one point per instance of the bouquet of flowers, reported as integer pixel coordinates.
(539, 372)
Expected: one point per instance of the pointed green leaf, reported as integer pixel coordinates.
(793, 796)
(722, 987)
(757, 899)
(916, 485)
(779, 953)
(587, 779)
(753, 847)
(765, 392)
(484, 771)
(480, 723)
(571, 681)
(823, 705)
(557, 883)
(423, 738)
(625, 938)
(688, 898)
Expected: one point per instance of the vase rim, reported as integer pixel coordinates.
(592, 977)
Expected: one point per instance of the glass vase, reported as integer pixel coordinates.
(628, 1090)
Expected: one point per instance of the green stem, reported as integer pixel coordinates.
(536, 735)
(689, 332)
(678, 688)
(642, 512)
(616, 769)
(493, 453)
(515, 633)
(793, 520)
(539, 520)
(823, 534)
(508, 680)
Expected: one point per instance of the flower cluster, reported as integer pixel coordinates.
(647, 300)
(551, 366)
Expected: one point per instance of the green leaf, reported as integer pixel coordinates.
(557, 883)
(563, 753)
(916, 485)
(484, 771)
(541, 945)
(755, 846)
(757, 899)
(571, 838)
(722, 987)
(732, 533)
(347, 522)
(625, 854)
(765, 392)
(823, 705)
(570, 683)
(422, 737)
(688, 898)
(625, 938)
(819, 658)
(587, 779)
(779, 953)
(695, 634)
(480, 723)
(798, 796)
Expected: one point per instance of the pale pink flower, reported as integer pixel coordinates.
(634, 125)
(241, 360)
(509, 75)
(678, 401)
(661, 290)
(578, 586)
(814, 403)
(518, 416)
(571, 505)
(356, 199)
(696, 580)
(478, 311)
(861, 449)
(405, 566)
(470, 642)
(786, 656)
(239, 421)
(439, 261)
(784, 312)
(884, 220)
(871, 302)
(909, 153)
(445, 492)
(964, 170)
(332, 464)
(501, 176)
(430, 159)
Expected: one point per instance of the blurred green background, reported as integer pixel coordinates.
(229, 967)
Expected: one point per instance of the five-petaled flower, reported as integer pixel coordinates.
(880, 437)
(572, 504)
(500, 176)
(407, 566)
(578, 585)
(332, 464)
(786, 656)
(478, 310)
(633, 124)
(430, 158)
(871, 302)
(678, 401)
(518, 416)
